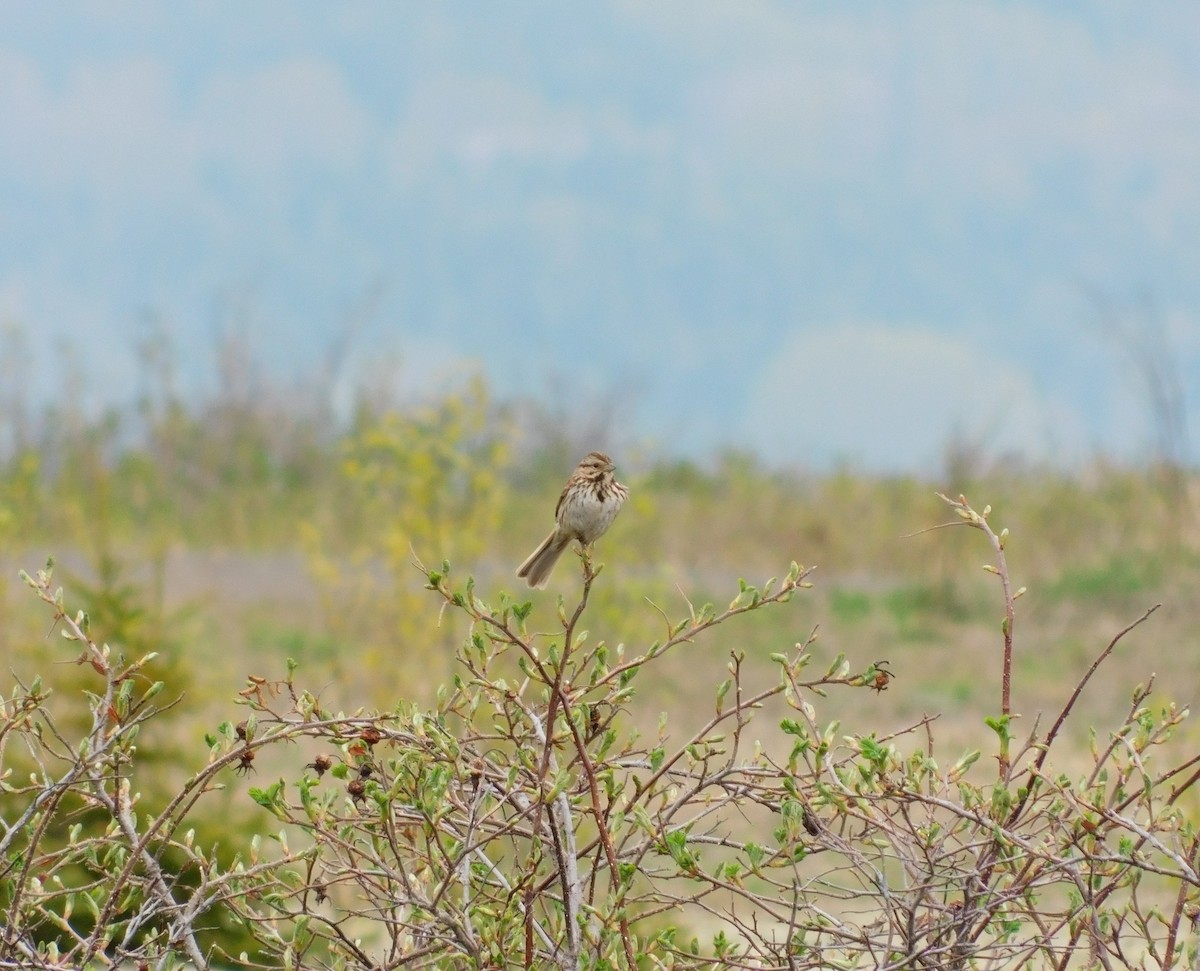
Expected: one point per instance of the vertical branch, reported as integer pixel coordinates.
(1180, 912)
(560, 811)
(558, 817)
(997, 540)
(558, 699)
(589, 576)
(562, 829)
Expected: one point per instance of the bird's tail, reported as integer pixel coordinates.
(536, 569)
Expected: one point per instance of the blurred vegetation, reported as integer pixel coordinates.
(285, 526)
(227, 531)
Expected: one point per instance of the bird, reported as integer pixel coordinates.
(588, 505)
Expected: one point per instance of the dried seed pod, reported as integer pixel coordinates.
(321, 764)
(245, 762)
(812, 825)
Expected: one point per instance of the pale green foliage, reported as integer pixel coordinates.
(524, 821)
(411, 485)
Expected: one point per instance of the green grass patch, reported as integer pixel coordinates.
(922, 610)
(849, 606)
(1120, 580)
(306, 646)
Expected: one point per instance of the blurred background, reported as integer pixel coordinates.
(828, 233)
(294, 292)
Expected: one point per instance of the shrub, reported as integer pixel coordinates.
(524, 821)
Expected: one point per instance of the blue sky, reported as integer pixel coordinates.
(826, 231)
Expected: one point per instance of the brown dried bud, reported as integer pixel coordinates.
(882, 676)
(357, 789)
(812, 825)
(321, 764)
(245, 760)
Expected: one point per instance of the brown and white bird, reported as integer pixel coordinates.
(589, 503)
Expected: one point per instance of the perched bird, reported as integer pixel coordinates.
(589, 503)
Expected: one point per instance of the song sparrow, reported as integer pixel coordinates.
(588, 505)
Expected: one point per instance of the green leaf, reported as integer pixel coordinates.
(610, 736)
(789, 726)
(722, 691)
(271, 798)
(999, 725)
(964, 763)
(755, 854)
(677, 847)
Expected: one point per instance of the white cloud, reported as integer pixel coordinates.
(967, 102)
(293, 111)
(893, 397)
(120, 128)
(479, 121)
(108, 127)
